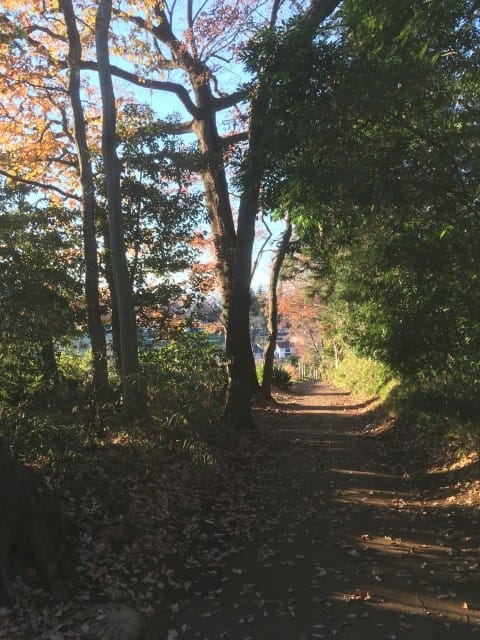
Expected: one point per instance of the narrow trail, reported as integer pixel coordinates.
(344, 546)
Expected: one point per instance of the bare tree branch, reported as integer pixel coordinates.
(41, 185)
(159, 85)
(274, 13)
(317, 12)
(225, 102)
(49, 32)
(163, 127)
(262, 248)
(234, 138)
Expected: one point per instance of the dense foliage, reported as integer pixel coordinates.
(162, 211)
(377, 160)
(185, 379)
(40, 292)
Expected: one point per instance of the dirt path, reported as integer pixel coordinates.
(343, 546)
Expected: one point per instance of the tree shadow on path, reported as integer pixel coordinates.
(344, 546)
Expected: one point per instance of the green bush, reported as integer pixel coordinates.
(185, 380)
(38, 418)
(41, 433)
(74, 366)
(281, 378)
(364, 377)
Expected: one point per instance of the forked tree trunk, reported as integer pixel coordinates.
(133, 400)
(272, 326)
(243, 382)
(96, 330)
(233, 253)
(232, 269)
(242, 375)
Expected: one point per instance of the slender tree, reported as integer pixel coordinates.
(95, 326)
(272, 321)
(48, 152)
(133, 403)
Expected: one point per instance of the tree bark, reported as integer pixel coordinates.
(243, 382)
(133, 400)
(96, 331)
(233, 252)
(272, 326)
(217, 198)
(242, 376)
(232, 248)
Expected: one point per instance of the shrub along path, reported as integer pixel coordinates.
(307, 528)
(344, 546)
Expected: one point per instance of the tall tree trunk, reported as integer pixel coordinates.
(241, 364)
(272, 326)
(133, 400)
(217, 197)
(95, 326)
(242, 376)
(233, 252)
(235, 302)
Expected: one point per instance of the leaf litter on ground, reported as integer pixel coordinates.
(160, 533)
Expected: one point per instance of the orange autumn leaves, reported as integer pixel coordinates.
(36, 131)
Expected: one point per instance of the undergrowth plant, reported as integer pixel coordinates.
(281, 377)
(38, 418)
(364, 377)
(184, 381)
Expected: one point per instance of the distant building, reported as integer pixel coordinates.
(257, 352)
(284, 349)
